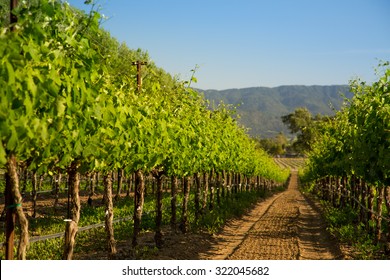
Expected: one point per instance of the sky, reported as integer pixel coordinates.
(250, 43)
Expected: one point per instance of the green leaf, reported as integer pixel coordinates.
(31, 85)
(13, 140)
(3, 155)
(61, 106)
(11, 73)
(28, 105)
(78, 147)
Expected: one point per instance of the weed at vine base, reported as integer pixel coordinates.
(342, 223)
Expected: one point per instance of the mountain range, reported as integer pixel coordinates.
(260, 108)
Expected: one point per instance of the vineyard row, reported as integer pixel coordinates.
(349, 164)
(72, 102)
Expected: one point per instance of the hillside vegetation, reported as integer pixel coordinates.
(261, 108)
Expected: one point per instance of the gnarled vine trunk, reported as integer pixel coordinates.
(205, 191)
(174, 184)
(138, 204)
(223, 185)
(212, 190)
(370, 202)
(120, 183)
(57, 184)
(197, 195)
(72, 224)
(380, 199)
(218, 185)
(13, 204)
(109, 215)
(92, 185)
(158, 236)
(184, 225)
(363, 201)
(34, 193)
(130, 182)
(387, 200)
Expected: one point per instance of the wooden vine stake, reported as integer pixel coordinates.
(139, 77)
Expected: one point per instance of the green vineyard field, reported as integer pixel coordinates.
(291, 163)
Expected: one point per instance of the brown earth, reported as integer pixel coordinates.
(286, 226)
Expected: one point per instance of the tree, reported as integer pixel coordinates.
(274, 146)
(302, 123)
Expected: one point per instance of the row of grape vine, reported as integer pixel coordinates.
(70, 104)
(290, 163)
(350, 161)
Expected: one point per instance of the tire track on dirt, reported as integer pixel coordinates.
(283, 227)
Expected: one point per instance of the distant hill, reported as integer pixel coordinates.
(261, 108)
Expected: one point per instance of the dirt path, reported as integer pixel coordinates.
(287, 226)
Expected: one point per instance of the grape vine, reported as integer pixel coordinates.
(350, 161)
(69, 104)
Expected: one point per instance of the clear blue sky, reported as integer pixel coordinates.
(246, 43)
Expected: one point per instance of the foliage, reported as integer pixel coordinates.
(353, 150)
(342, 223)
(357, 140)
(68, 94)
(298, 121)
(261, 108)
(274, 146)
(305, 126)
(68, 97)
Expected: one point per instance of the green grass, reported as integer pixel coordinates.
(343, 224)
